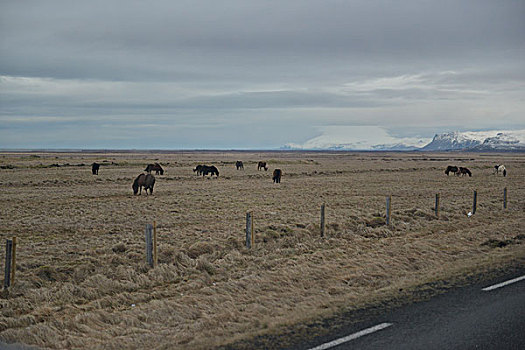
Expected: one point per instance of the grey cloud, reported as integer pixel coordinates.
(183, 40)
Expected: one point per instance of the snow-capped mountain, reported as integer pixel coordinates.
(378, 139)
(478, 141)
(371, 138)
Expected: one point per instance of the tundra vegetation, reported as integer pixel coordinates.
(82, 280)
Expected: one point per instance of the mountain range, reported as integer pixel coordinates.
(478, 141)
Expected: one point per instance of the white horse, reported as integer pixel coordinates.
(500, 169)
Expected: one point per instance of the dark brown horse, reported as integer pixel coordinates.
(464, 171)
(262, 165)
(277, 173)
(239, 165)
(158, 169)
(94, 168)
(451, 169)
(146, 181)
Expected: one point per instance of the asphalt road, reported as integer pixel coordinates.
(464, 318)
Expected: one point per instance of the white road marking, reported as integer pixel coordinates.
(352, 336)
(503, 284)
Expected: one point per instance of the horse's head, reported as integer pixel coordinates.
(135, 185)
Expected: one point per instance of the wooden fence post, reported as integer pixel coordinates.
(388, 210)
(13, 262)
(436, 207)
(7, 271)
(322, 219)
(505, 198)
(249, 229)
(475, 202)
(155, 257)
(149, 244)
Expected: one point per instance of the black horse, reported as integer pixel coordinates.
(94, 168)
(451, 169)
(146, 181)
(464, 171)
(239, 165)
(205, 170)
(158, 169)
(277, 173)
(262, 165)
(198, 169)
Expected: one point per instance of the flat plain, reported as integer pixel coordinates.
(82, 280)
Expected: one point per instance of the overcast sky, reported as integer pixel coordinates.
(256, 74)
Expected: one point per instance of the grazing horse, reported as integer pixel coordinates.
(146, 181)
(205, 170)
(198, 169)
(451, 169)
(262, 165)
(500, 168)
(277, 173)
(94, 168)
(464, 171)
(158, 169)
(239, 165)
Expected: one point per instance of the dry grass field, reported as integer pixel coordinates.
(82, 280)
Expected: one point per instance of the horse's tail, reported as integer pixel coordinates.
(150, 182)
